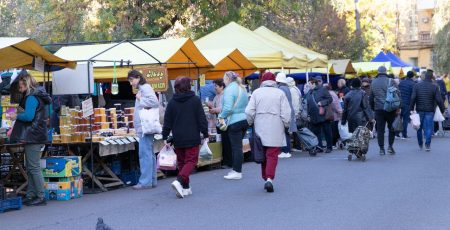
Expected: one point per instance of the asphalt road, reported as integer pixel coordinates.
(410, 190)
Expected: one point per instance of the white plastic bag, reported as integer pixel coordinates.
(150, 121)
(415, 120)
(167, 159)
(343, 131)
(205, 151)
(438, 117)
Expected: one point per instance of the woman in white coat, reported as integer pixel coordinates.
(270, 112)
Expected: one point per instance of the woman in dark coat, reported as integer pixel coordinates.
(185, 119)
(317, 97)
(356, 109)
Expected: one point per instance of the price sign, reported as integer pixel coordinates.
(157, 77)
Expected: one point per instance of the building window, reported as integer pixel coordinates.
(414, 61)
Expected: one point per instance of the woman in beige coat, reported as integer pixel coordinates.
(270, 113)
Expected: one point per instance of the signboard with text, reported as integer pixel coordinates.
(157, 77)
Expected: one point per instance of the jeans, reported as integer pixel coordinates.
(287, 148)
(35, 186)
(236, 133)
(147, 161)
(323, 128)
(269, 166)
(382, 117)
(426, 127)
(406, 120)
(335, 132)
(227, 158)
(187, 159)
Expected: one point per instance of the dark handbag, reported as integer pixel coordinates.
(398, 124)
(329, 113)
(257, 155)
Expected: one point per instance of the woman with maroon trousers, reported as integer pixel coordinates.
(186, 119)
(270, 112)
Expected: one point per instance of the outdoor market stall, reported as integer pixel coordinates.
(20, 52)
(180, 56)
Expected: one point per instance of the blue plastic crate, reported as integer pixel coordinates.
(130, 178)
(11, 203)
(116, 167)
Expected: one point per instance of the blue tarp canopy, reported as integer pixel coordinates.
(395, 61)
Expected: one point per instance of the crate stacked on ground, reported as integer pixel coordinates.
(62, 177)
(9, 201)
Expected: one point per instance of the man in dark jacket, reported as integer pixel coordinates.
(424, 99)
(356, 109)
(318, 97)
(406, 87)
(377, 98)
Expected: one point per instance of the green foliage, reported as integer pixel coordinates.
(441, 50)
(326, 26)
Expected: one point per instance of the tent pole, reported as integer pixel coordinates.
(307, 76)
(328, 75)
(91, 150)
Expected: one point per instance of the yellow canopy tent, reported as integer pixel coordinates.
(370, 68)
(342, 66)
(227, 60)
(261, 52)
(315, 59)
(180, 56)
(19, 52)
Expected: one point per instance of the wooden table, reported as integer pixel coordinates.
(103, 182)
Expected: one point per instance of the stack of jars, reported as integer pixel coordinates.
(73, 126)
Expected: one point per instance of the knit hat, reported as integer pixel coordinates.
(290, 81)
(268, 76)
(382, 69)
(281, 78)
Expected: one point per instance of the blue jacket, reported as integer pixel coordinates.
(406, 88)
(230, 96)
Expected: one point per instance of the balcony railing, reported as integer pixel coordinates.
(421, 40)
(425, 36)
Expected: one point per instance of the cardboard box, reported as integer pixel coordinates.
(75, 190)
(60, 183)
(62, 194)
(66, 166)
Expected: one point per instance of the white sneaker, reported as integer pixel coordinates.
(187, 192)
(178, 189)
(282, 155)
(233, 175)
(288, 155)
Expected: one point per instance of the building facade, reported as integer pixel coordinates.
(416, 43)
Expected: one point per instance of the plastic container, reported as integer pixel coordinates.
(11, 203)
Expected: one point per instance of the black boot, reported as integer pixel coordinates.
(27, 201)
(391, 150)
(38, 202)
